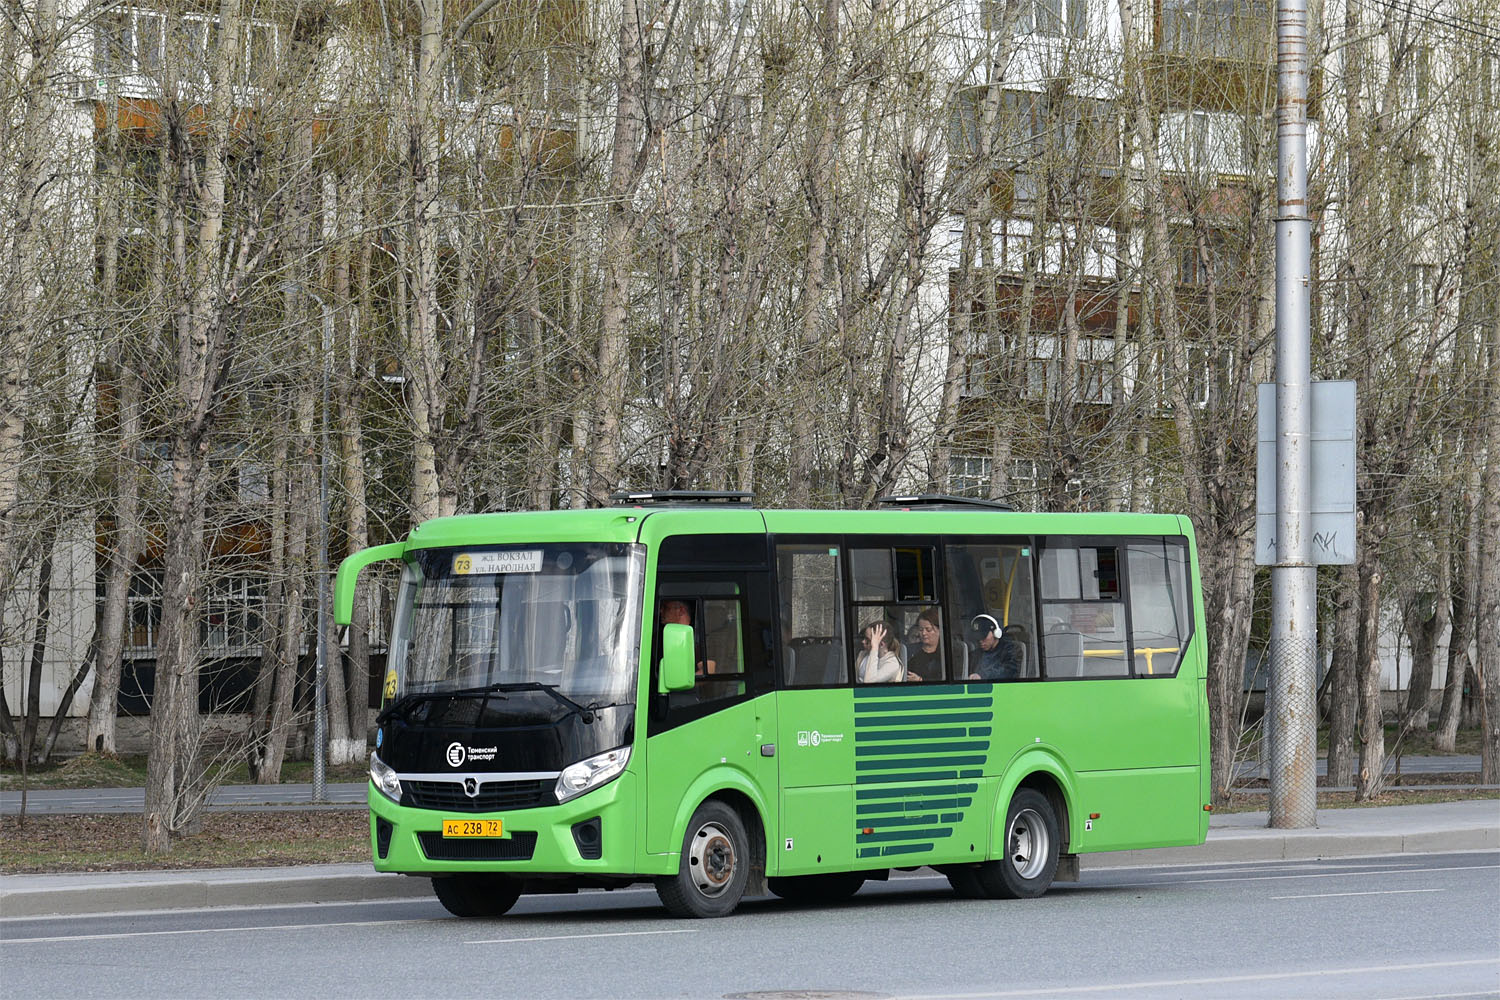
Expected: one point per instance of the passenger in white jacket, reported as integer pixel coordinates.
(878, 660)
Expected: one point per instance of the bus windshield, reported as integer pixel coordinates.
(563, 615)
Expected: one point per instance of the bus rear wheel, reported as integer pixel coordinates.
(476, 895)
(714, 866)
(829, 888)
(1031, 850)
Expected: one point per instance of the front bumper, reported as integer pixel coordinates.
(555, 852)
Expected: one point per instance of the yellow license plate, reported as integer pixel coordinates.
(472, 828)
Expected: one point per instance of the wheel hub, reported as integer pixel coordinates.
(712, 859)
(1028, 842)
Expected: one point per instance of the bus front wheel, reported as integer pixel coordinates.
(477, 895)
(1031, 848)
(714, 866)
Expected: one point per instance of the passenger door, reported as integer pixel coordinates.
(815, 741)
(726, 723)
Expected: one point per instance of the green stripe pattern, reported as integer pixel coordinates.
(918, 755)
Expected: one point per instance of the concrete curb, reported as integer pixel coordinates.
(1472, 825)
(1278, 845)
(118, 892)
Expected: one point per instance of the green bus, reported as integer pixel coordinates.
(721, 699)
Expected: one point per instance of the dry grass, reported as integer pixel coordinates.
(1242, 802)
(62, 843)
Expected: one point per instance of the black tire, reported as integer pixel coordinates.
(830, 888)
(476, 895)
(714, 866)
(1031, 850)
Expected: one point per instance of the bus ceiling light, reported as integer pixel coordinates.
(385, 778)
(586, 775)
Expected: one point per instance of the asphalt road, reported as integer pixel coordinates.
(1382, 928)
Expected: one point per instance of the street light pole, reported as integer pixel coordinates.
(1292, 720)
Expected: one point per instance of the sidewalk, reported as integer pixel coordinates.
(1448, 826)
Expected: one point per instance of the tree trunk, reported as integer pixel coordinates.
(273, 622)
(628, 154)
(1343, 702)
(1465, 571)
(356, 504)
(824, 122)
(65, 703)
(1425, 631)
(119, 566)
(427, 394)
(302, 499)
(38, 652)
(28, 143)
(1371, 728)
(1487, 603)
(204, 333)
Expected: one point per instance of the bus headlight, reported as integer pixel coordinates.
(385, 778)
(587, 775)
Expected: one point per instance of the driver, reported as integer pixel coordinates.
(675, 612)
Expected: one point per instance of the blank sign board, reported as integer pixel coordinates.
(1332, 461)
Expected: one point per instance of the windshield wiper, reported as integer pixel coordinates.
(585, 712)
(400, 705)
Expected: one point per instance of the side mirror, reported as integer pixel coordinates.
(676, 672)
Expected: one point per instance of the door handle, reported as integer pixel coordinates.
(768, 749)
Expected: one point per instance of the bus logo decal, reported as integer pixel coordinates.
(455, 754)
(813, 737)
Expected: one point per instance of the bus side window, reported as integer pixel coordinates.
(721, 671)
(812, 627)
(1160, 610)
(991, 611)
(1083, 613)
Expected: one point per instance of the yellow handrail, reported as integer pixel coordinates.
(1147, 651)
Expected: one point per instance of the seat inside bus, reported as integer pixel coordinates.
(1064, 653)
(813, 660)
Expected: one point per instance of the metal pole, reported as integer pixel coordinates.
(320, 685)
(1293, 719)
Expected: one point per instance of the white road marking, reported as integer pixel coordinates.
(1290, 867)
(1439, 996)
(1159, 984)
(575, 937)
(1337, 874)
(209, 930)
(1373, 892)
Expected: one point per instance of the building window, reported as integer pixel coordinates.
(133, 42)
(142, 614)
(1235, 29)
(969, 476)
(1049, 18)
(1095, 381)
(975, 378)
(1419, 72)
(1024, 474)
(1204, 143)
(233, 610)
(1420, 290)
(1041, 373)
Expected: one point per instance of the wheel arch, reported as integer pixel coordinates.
(1042, 770)
(735, 790)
